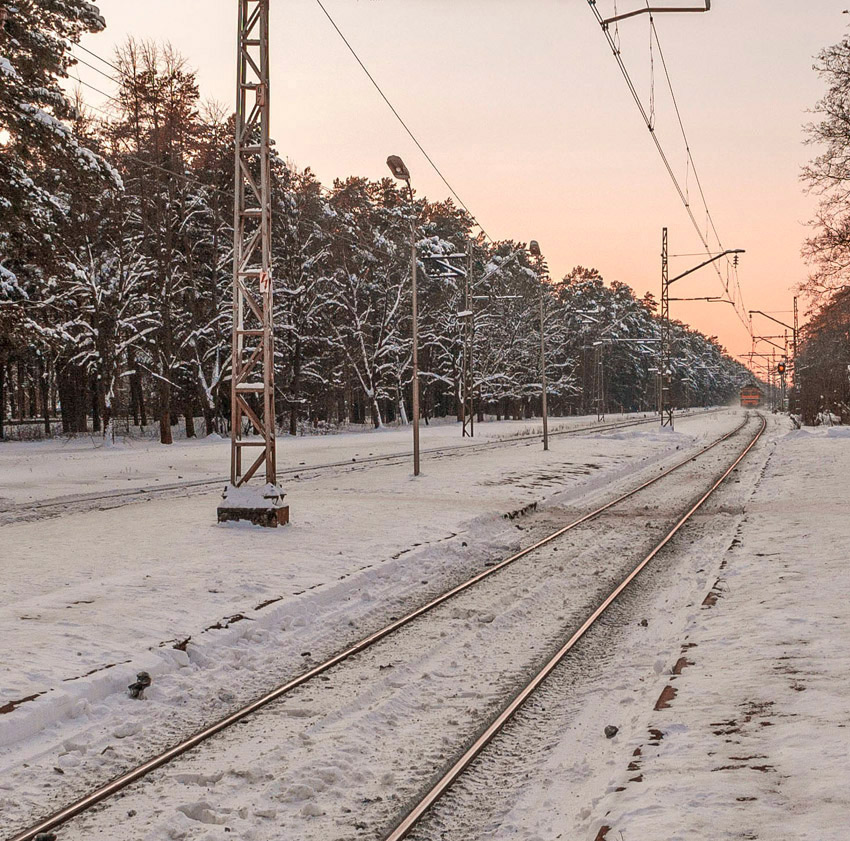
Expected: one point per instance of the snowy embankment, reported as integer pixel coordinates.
(38, 470)
(730, 695)
(219, 614)
(755, 742)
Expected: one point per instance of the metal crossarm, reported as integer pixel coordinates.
(654, 10)
(252, 383)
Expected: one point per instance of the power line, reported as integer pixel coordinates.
(189, 179)
(399, 118)
(99, 58)
(691, 160)
(649, 121)
(96, 69)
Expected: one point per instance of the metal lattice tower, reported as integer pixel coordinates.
(252, 388)
(665, 401)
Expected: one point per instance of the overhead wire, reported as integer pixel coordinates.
(183, 176)
(401, 120)
(98, 57)
(690, 157)
(656, 140)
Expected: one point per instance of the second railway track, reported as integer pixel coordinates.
(114, 498)
(370, 646)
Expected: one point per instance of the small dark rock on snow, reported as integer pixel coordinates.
(611, 731)
(143, 681)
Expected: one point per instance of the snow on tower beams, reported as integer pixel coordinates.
(252, 381)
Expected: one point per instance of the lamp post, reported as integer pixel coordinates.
(400, 171)
(534, 249)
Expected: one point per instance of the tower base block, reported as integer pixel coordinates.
(260, 505)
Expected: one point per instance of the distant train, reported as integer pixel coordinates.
(751, 397)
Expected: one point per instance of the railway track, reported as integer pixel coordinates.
(42, 509)
(122, 782)
(436, 791)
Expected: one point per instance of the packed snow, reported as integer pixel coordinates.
(218, 615)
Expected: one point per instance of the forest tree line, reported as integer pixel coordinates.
(116, 268)
(822, 375)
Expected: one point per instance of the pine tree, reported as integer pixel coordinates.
(38, 148)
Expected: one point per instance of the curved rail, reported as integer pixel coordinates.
(449, 778)
(119, 783)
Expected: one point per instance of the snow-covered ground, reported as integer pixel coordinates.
(725, 672)
(92, 598)
(755, 743)
(752, 744)
(31, 471)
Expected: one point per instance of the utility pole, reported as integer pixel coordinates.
(599, 381)
(773, 383)
(252, 360)
(467, 410)
(795, 371)
(665, 372)
(666, 327)
(534, 249)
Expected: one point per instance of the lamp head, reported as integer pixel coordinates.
(534, 248)
(397, 168)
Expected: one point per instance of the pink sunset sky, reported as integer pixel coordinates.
(522, 106)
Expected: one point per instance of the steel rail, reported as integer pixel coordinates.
(402, 830)
(123, 781)
(131, 495)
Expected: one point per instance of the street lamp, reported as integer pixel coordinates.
(401, 172)
(534, 249)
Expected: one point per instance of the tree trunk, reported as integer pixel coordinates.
(189, 414)
(21, 392)
(295, 387)
(44, 386)
(136, 383)
(11, 390)
(377, 421)
(96, 403)
(2, 399)
(165, 436)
